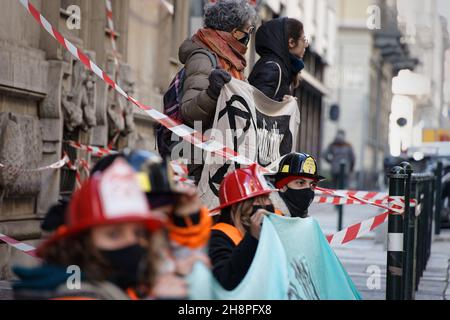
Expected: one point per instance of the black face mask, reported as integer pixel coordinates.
(127, 265)
(246, 39)
(298, 201)
(269, 208)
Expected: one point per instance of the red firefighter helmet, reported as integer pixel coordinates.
(112, 197)
(241, 185)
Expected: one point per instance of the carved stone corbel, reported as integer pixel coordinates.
(119, 109)
(79, 96)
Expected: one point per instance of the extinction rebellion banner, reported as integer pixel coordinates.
(252, 125)
(293, 261)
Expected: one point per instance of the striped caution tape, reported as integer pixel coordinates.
(169, 7)
(75, 168)
(21, 246)
(97, 151)
(394, 204)
(57, 165)
(357, 230)
(366, 195)
(343, 201)
(343, 237)
(186, 133)
(112, 33)
(180, 169)
(325, 196)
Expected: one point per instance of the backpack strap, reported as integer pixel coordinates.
(231, 231)
(212, 57)
(279, 78)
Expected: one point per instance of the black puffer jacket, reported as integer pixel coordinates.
(272, 46)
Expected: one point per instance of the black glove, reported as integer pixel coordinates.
(217, 79)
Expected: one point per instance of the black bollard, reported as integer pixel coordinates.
(394, 272)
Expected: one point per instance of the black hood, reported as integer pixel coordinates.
(271, 39)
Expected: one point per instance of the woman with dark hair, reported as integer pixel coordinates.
(281, 43)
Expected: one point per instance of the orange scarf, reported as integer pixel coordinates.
(230, 51)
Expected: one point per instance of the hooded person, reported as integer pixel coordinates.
(105, 248)
(296, 181)
(281, 44)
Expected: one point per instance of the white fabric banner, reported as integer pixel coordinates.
(254, 126)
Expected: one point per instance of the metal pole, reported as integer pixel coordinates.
(420, 235)
(431, 197)
(394, 272)
(341, 187)
(408, 240)
(413, 224)
(438, 201)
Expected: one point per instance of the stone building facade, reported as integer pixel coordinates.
(48, 98)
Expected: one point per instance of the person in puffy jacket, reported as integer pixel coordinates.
(228, 25)
(281, 43)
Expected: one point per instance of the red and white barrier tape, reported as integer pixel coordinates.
(21, 246)
(357, 230)
(97, 151)
(395, 204)
(169, 7)
(334, 197)
(109, 18)
(74, 167)
(190, 135)
(366, 195)
(343, 237)
(179, 168)
(343, 201)
(57, 165)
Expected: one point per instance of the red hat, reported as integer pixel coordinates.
(242, 185)
(113, 197)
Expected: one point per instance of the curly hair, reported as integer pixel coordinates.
(226, 15)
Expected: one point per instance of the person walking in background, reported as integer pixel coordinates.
(281, 43)
(340, 151)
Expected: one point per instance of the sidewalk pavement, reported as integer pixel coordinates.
(363, 256)
(5, 290)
